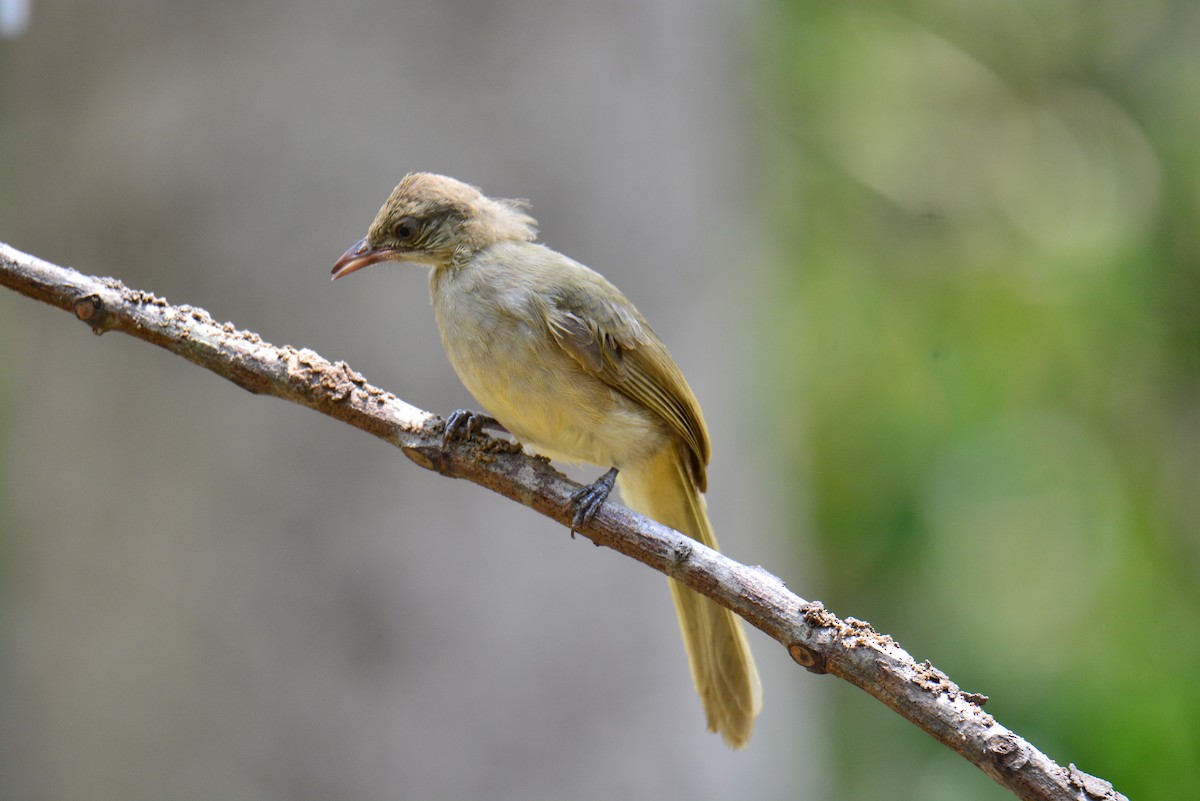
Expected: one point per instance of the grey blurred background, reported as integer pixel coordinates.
(212, 595)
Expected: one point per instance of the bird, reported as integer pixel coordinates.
(563, 361)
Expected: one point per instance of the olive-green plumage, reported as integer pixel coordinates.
(569, 366)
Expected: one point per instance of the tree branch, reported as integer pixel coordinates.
(814, 637)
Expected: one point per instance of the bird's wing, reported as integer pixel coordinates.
(612, 342)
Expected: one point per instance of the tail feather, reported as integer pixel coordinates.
(718, 654)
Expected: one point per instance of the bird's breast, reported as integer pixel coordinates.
(499, 344)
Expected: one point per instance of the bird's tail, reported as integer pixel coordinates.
(718, 653)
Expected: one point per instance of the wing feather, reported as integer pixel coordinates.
(612, 342)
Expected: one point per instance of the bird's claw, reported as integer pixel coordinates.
(466, 423)
(588, 500)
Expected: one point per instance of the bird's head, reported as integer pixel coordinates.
(434, 220)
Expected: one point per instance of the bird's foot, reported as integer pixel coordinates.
(588, 500)
(466, 423)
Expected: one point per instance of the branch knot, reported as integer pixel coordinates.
(90, 309)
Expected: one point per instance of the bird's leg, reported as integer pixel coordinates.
(588, 500)
(468, 424)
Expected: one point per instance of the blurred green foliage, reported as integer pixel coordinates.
(985, 221)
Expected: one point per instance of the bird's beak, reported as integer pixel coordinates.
(361, 255)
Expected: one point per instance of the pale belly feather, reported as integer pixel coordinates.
(521, 376)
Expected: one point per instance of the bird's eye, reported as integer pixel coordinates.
(405, 229)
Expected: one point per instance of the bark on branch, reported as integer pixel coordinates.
(814, 637)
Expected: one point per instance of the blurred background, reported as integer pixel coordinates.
(932, 271)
